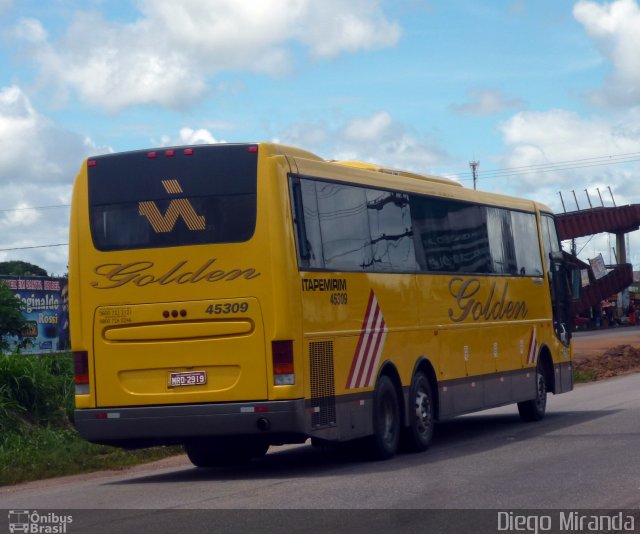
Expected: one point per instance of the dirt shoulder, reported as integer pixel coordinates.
(604, 357)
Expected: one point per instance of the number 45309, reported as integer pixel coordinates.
(227, 307)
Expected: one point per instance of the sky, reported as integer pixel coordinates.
(544, 94)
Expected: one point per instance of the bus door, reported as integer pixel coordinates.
(558, 281)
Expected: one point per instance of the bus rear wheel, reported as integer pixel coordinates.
(534, 409)
(212, 452)
(417, 436)
(386, 420)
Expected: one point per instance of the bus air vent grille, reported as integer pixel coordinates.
(323, 391)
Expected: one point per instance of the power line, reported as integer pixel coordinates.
(36, 208)
(35, 246)
(581, 163)
(617, 157)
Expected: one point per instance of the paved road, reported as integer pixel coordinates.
(583, 455)
(622, 333)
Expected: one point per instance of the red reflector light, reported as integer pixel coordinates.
(81, 367)
(101, 415)
(152, 155)
(188, 151)
(282, 357)
(170, 153)
(253, 149)
(92, 163)
(261, 409)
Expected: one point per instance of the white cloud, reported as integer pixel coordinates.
(22, 226)
(377, 139)
(189, 136)
(381, 139)
(38, 163)
(555, 150)
(329, 29)
(33, 148)
(486, 102)
(167, 54)
(30, 30)
(22, 215)
(615, 27)
(368, 129)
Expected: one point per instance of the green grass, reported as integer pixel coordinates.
(48, 452)
(37, 438)
(584, 376)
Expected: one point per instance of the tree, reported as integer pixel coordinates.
(11, 319)
(21, 268)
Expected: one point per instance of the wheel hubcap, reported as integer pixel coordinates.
(541, 398)
(389, 420)
(423, 413)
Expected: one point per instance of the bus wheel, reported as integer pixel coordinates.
(220, 452)
(534, 409)
(386, 420)
(417, 436)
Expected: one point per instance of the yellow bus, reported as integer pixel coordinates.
(231, 297)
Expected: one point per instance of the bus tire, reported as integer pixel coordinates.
(417, 436)
(383, 444)
(220, 452)
(534, 409)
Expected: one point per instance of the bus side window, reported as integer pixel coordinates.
(307, 224)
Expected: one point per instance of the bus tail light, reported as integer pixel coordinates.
(81, 372)
(283, 373)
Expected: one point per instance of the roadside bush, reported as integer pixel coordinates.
(35, 391)
(37, 439)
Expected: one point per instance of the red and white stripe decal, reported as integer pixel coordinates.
(533, 348)
(369, 348)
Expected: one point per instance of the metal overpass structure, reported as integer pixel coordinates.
(618, 220)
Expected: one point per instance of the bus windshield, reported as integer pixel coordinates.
(173, 197)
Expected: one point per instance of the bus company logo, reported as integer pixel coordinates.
(144, 273)
(178, 207)
(38, 523)
(494, 307)
(369, 348)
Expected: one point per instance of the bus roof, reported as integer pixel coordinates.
(396, 172)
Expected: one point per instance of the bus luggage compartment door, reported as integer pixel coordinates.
(180, 352)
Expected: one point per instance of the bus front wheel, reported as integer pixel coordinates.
(386, 420)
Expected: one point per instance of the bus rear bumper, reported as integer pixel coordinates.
(173, 424)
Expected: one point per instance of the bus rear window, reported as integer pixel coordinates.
(171, 197)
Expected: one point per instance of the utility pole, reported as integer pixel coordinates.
(474, 170)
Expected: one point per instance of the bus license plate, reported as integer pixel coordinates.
(190, 378)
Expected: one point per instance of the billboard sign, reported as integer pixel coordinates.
(598, 267)
(46, 312)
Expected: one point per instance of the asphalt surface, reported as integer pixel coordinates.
(582, 455)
